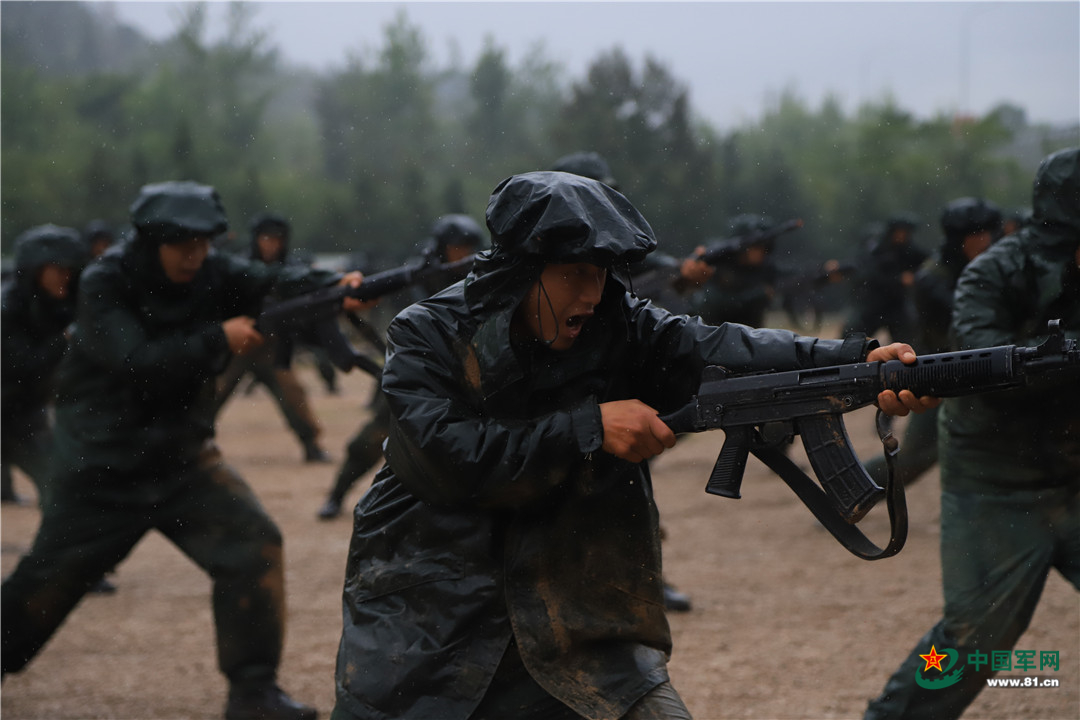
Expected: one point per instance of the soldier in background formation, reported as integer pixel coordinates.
(740, 289)
(1010, 461)
(133, 442)
(98, 237)
(270, 245)
(453, 238)
(969, 226)
(38, 305)
(886, 274)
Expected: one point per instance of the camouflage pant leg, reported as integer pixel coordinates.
(30, 451)
(230, 377)
(7, 483)
(997, 549)
(77, 541)
(364, 450)
(218, 522)
(282, 384)
(293, 400)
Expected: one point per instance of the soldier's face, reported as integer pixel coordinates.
(454, 253)
(559, 304)
(900, 236)
(976, 243)
(99, 246)
(55, 280)
(270, 247)
(181, 261)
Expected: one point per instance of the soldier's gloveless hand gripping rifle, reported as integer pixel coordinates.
(758, 412)
(316, 313)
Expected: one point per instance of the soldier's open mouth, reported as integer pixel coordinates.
(576, 320)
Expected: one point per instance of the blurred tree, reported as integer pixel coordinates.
(366, 156)
(380, 139)
(640, 122)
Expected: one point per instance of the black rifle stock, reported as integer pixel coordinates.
(318, 311)
(728, 250)
(811, 403)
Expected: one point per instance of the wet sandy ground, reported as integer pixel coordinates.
(786, 624)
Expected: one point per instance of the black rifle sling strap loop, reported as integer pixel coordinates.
(821, 506)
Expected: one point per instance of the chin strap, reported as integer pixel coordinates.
(539, 316)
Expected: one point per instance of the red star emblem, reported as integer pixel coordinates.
(933, 659)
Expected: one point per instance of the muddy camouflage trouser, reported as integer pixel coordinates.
(997, 548)
(209, 513)
(282, 383)
(364, 449)
(29, 450)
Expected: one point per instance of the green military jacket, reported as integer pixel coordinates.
(1028, 437)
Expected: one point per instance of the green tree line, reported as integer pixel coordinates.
(365, 157)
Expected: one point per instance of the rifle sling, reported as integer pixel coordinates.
(850, 536)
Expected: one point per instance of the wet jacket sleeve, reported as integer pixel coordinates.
(112, 332)
(675, 349)
(445, 450)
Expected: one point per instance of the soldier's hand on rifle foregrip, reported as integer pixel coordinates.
(355, 279)
(695, 270)
(905, 401)
(633, 431)
(241, 334)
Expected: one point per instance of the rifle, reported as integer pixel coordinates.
(729, 249)
(759, 411)
(317, 312)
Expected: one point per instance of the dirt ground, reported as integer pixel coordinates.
(785, 624)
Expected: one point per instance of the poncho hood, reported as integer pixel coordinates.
(547, 217)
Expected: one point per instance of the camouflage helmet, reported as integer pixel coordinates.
(49, 245)
(749, 223)
(901, 221)
(457, 230)
(270, 224)
(96, 229)
(173, 211)
(1056, 191)
(588, 164)
(968, 215)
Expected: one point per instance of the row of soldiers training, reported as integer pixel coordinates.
(506, 560)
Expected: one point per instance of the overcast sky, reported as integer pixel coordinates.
(734, 56)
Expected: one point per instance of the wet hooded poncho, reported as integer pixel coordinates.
(497, 513)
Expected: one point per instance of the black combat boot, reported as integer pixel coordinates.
(674, 600)
(330, 509)
(264, 700)
(315, 454)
